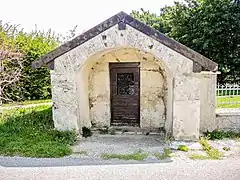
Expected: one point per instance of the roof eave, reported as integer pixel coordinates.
(127, 19)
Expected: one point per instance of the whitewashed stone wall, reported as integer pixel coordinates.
(72, 108)
(65, 103)
(153, 90)
(228, 119)
(208, 120)
(186, 106)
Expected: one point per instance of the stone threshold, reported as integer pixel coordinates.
(126, 130)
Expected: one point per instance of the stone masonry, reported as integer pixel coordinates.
(172, 92)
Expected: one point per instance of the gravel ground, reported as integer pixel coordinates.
(89, 151)
(96, 145)
(120, 144)
(91, 166)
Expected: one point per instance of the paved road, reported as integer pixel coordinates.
(178, 170)
(68, 161)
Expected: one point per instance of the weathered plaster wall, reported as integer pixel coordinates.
(183, 102)
(186, 106)
(65, 103)
(228, 119)
(208, 120)
(153, 102)
(153, 90)
(229, 122)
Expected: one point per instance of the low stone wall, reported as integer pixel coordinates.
(228, 119)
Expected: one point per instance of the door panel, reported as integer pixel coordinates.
(125, 94)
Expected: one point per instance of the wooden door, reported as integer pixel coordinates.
(125, 94)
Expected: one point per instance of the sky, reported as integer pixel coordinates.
(62, 15)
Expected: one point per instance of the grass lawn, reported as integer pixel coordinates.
(29, 132)
(228, 101)
(222, 102)
(27, 102)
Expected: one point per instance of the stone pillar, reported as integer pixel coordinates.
(208, 121)
(186, 106)
(65, 104)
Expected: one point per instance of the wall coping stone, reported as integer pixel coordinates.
(228, 112)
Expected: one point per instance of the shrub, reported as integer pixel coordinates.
(215, 134)
(32, 84)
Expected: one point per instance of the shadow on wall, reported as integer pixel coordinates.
(153, 87)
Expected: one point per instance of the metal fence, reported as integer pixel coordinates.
(228, 96)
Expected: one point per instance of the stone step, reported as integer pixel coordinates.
(128, 131)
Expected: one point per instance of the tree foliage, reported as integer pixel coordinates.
(32, 84)
(10, 65)
(210, 27)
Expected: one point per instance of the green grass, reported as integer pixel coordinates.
(198, 157)
(139, 156)
(211, 153)
(81, 152)
(27, 102)
(30, 132)
(183, 148)
(166, 154)
(228, 99)
(214, 154)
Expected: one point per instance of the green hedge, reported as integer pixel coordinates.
(33, 84)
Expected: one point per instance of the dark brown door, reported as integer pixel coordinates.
(125, 94)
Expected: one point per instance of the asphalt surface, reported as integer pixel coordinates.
(68, 161)
(228, 169)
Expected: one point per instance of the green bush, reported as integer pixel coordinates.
(215, 134)
(33, 84)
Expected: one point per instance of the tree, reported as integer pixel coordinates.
(35, 83)
(151, 19)
(32, 84)
(28, 84)
(210, 27)
(10, 62)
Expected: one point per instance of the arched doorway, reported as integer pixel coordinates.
(126, 87)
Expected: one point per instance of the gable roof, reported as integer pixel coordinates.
(122, 19)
